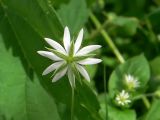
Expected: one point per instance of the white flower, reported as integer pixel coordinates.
(123, 98)
(131, 82)
(69, 59)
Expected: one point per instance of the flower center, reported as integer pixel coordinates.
(131, 85)
(70, 60)
(122, 99)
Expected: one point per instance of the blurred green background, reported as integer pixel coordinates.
(133, 27)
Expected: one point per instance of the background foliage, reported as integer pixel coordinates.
(133, 27)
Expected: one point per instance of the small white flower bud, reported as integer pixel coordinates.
(122, 98)
(131, 82)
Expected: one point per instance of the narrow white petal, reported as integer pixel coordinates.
(59, 74)
(49, 55)
(55, 45)
(83, 72)
(71, 77)
(66, 39)
(126, 95)
(89, 61)
(122, 103)
(52, 67)
(87, 49)
(123, 93)
(127, 101)
(117, 98)
(78, 41)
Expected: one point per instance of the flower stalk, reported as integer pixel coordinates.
(105, 91)
(72, 105)
(107, 38)
(69, 59)
(113, 47)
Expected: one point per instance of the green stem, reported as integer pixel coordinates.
(97, 31)
(107, 38)
(105, 91)
(146, 95)
(146, 102)
(144, 98)
(114, 48)
(72, 105)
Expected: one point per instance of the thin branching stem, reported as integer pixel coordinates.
(107, 38)
(114, 49)
(146, 102)
(97, 31)
(105, 91)
(146, 95)
(72, 105)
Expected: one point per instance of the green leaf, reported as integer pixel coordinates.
(21, 97)
(154, 67)
(92, 72)
(136, 66)
(126, 26)
(154, 18)
(127, 8)
(31, 21)
(88, 100)
(74, 15)
(45, 105)
(155, 74)
(57, 3)
(153, 113)
(118, 114)
(90, 2)
(38, 14)
(113, 112)
(31, 41)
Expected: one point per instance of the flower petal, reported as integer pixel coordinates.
(71, 77)
(66, 39)
(55, 45)
(89, 61)
(83, 72)
(52, 67)
(87, 49)
(78, 41)
(59, 75)
(49, 55)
